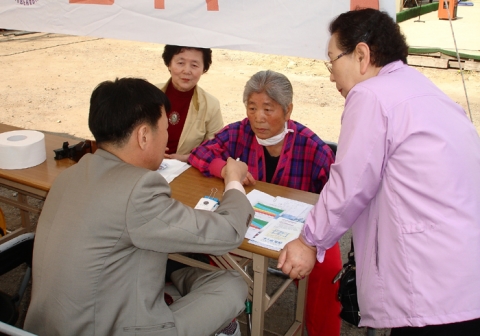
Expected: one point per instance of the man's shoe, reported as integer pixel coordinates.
(233, 329)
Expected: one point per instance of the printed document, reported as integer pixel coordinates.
(277, 220)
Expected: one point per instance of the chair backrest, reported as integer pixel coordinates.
(6, 329)
(15, 252)
(332, 145)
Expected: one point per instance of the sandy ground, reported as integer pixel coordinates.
(47, 79)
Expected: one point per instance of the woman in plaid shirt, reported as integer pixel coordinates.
(284, 152)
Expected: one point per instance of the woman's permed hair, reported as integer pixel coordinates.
(171, 50)
(274, 84)
(377, 29)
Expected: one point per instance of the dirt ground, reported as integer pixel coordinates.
(47, 79)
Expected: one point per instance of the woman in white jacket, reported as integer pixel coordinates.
(195, 115)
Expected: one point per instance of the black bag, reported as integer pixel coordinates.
(347, 292)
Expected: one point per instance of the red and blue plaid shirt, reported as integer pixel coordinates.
(304, 163)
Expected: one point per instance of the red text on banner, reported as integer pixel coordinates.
(212, 5)
(93, 2)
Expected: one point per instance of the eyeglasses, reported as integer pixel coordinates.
(328, 64)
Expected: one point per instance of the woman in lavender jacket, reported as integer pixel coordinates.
(406, 180)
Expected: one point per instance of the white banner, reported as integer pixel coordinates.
(283, 27)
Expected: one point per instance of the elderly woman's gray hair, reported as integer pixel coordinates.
(274, 84)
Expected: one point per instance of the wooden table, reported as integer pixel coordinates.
(33, 182)
(188, 188)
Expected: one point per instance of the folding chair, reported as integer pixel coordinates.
(6, 329)
(13, 253)
(332, 145)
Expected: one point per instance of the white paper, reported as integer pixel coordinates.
(278, 210)
(255, 196)
(171, 168)
(294, 210)
(259, 220)
(277, 233)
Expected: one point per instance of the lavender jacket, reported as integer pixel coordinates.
(407, 180)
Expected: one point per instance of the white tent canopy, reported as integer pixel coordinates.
(295, 28)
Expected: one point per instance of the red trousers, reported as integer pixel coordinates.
(322, 315)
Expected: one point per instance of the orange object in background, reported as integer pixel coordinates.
(354, 4)
(3, 225)
(443, 11)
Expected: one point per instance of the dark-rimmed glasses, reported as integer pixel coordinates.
(328, 64)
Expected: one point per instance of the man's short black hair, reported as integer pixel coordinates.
(117, 107)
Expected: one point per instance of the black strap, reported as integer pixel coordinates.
(351, 254)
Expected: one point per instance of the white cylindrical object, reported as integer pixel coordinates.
(22, 149)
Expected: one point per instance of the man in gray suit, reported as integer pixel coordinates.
(108, 224)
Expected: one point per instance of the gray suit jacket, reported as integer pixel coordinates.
(102, 244)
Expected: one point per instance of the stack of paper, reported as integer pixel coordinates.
(277, 220)
(171, 168)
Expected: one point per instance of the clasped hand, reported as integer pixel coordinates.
(297, 259)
